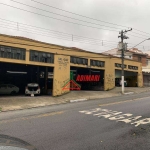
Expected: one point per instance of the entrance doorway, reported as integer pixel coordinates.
(20, 75)
(88, 79)
(129, 77)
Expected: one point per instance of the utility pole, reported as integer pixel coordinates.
(123, 47)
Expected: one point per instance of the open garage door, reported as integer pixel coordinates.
(129, 77)
(88, 79)
(19, 75)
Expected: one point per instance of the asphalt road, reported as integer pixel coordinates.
(118, 123)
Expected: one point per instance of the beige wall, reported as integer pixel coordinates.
(140, 77)
(109, 75)
(62, 68)
(61, 75)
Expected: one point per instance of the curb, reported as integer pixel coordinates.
(128, 93)
(78, 100)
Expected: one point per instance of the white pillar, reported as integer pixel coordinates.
(122, 82)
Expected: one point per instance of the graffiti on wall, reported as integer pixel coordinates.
(63, 62)
(109, 81)
(62, 76)
(58, 86)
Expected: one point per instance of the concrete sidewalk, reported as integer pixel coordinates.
(22, 102)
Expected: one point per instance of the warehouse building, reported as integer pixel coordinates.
(58, 69)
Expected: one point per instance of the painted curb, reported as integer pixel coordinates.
(78, 100)
(129, 93)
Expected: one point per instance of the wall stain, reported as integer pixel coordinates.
(63, 75)
(109, 81)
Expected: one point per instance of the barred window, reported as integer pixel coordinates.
(132, 67)
(97, 63)
(12, 52)
(78, 60)
(120, 65)
(41, 56)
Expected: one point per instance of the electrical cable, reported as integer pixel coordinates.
(31, 26)
(61, 15)
(64, 38)
(57, 32)
(56, 18)
(63, 48)
(78, 14)
(71, 17)
(86, 16)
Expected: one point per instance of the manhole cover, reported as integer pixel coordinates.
(11, 143)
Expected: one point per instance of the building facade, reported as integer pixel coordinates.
(138, 55)
(57, 68)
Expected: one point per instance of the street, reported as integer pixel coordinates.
(117, 123)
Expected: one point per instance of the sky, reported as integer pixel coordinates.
(92, 25)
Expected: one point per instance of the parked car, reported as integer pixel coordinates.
(32, 88)
(8, 89)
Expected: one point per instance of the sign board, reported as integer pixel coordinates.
(50, 75)
(87, 78)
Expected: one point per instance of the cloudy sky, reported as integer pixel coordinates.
(93, 25)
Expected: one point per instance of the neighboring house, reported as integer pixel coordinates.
(133, 54)
(136, 55)
(117, 53)
(146, 72)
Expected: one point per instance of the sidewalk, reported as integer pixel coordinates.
(22, 102)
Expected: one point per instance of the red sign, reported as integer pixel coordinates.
(85, 78)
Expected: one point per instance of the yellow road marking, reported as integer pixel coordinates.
(123, 101)
(32, 117)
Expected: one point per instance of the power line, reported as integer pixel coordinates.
(56, 18)
(85, 40)
(136, 36)
(71, 17)
(57, 32)
(77, 14)
(62, 15)
(63, 48)
(80, 39)
(105, 45)
(86, 16)
(75, 37)
(34, 26)
(61, 19)
(63, 38)
(141, 34)
(31, 26)
(142, 31)
(36, 33)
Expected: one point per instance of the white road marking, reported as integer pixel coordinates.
(120, 117)
(128, 120)
(117, 116)
(143, 121)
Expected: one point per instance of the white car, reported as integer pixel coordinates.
(8, 89)
(32, 88)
